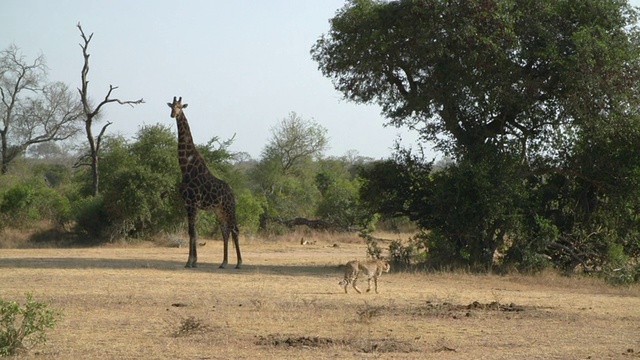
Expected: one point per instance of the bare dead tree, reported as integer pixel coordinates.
(32, 111)
(90, 113)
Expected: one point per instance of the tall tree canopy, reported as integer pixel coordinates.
(295, 140)
(285, 174)
(465, 73)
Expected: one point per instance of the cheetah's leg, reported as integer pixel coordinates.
(375, 282)
(369, 285)
(344, 283)
(355, 287)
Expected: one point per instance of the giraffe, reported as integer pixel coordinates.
(202, 190)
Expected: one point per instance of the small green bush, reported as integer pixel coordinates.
(17, 204)
(374, 250)
(24, 204)
(248, 211)
(22, 327)
(90, 216)
(400, 253)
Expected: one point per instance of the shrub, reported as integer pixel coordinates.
(23, 204)
(374, 250)
(16, 204)
(53, 206)
(22, 327)
(400, 253)
(90, 216)
(248, 211)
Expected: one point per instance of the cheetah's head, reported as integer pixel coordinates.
(386, 266)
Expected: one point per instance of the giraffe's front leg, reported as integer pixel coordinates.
(193, 255)
(193, 252)
(225, 239)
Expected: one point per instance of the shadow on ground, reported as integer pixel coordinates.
(168, 265)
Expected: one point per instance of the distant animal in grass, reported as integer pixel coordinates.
(307, 242)
(371, 269)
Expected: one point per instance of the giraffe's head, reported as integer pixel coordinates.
(176, 106)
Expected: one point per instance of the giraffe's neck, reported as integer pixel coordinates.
(186, 149)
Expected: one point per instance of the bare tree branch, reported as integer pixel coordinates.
(48, 113)
(121, 102)
(91, 113)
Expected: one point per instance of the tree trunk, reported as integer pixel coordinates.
(95, 175)
(5, 157)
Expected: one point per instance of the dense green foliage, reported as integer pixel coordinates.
(140, 179)
(139, 182)
(23, 202)
(536, 102)
(295, 180)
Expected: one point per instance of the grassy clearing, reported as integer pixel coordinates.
(125, 302)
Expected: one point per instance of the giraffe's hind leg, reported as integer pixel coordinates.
(225, 238)
(236, 243)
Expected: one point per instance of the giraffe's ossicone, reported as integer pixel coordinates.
(200, 189)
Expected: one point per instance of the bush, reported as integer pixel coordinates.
(53, 206)
(24, 327)
(374, 250)
(16, 204)
(617, 270)
(248, 210)
(23, 204)
(401, 254)
(340, 204)
(139, 202)
(90, 216)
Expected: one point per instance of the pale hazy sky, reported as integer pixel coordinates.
(241, 65)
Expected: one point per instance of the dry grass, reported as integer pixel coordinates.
(123, 302)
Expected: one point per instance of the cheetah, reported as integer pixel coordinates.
(371, 269)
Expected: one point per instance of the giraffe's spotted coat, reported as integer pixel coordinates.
(200, 189)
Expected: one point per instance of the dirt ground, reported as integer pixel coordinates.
(139, 302)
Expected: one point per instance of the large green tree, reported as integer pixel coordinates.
(525, 96)
(340, 204)
(285, 174)
(467, 73)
